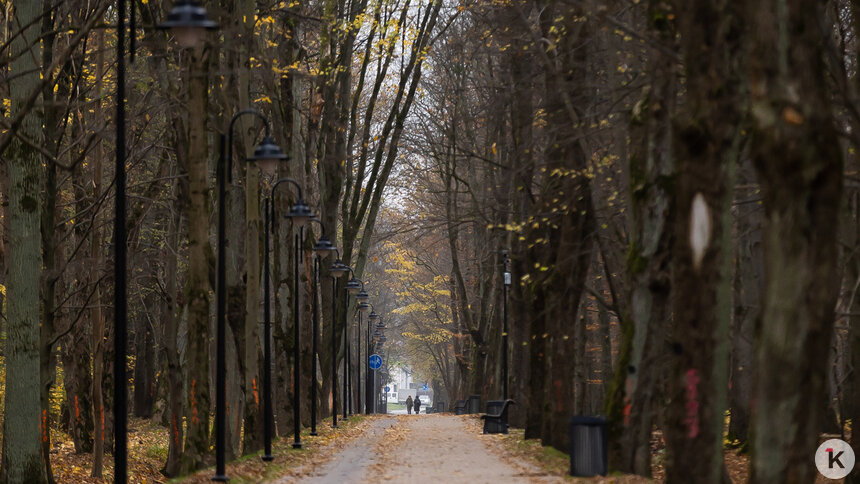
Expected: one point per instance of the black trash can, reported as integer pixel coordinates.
(588, 446)
(491, 427)
(474, 404)
(440, 407)
(460, 407)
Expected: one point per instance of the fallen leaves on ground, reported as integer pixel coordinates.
(147, 451)
(289, 465)
(393, 442)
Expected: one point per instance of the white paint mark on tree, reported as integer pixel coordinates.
(700, 228)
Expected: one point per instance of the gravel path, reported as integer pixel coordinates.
(419, 449)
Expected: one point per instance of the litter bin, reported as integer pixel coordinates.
(474, 404)
(440, 407)
(588, 446)
(460, 407)
(492, 427)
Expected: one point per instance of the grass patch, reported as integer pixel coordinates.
(157, 452)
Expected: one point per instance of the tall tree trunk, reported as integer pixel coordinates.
(796, 154)
(748, 284)
(199, 258)
(77, 379)
(705, 145)
(170, 327)
(144, 350)
(635, 392)
(96, 253)
(22, 426)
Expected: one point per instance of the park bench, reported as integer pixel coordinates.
(497, 423)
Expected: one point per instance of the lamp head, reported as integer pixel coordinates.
(363, 307)
(323, 247)
(268, 154)
(300, 213)
(353, 286)
(373, 316)
(188, 22)
(362, 296)
(338, 268)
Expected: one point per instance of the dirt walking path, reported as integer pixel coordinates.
(419, 449)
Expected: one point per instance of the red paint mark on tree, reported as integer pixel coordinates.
(44, 426)
(692, 420)
(256, 395)
(193, 402)
(77, 409)
(175, 431)
(628, 392)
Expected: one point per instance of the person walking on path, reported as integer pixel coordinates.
(409, 404)
(417, 405)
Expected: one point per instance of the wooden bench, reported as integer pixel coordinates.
(497, 423)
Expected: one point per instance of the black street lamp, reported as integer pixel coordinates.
(363, 307)
(267, 154)
(321, 249)
(372, 318)
(507, 285)
(353, 286)
(300, 214)
(267, 349)
(188, 22)
(337, 270)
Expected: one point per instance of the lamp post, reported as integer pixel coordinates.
(353, 286)
(299, 214)
(380, 328)
(321, 249)
(362, 297)
(267, 154)
(337, 270)
(268, 423)
(376, 338)
(363, 307)
(120, 303)
(372, 318)
(507, 284)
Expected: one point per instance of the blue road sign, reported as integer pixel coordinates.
(425, 386)
(387, 389)
(375, 362)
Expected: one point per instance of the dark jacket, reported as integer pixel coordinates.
(417, 404)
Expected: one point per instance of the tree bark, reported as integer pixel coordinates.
(748, 284)
(199, 259)
(22, 426)
(705, 144)
(796, 154)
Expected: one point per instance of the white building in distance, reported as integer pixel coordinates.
(401, 385)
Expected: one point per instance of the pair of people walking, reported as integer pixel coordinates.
(410, 405)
